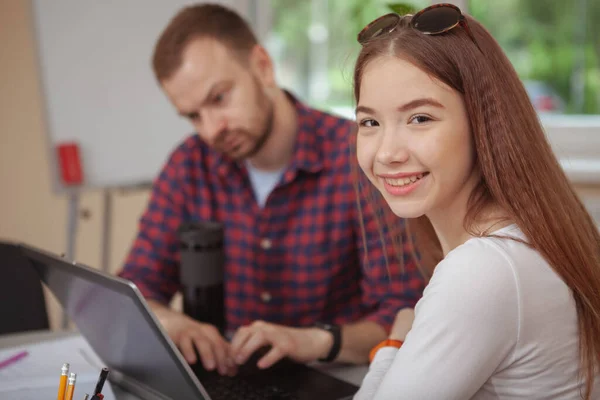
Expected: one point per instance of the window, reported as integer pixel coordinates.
(555, 48)
(313, 44)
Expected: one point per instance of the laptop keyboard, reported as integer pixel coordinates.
(242, 388)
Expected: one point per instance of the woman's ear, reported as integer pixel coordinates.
(262, 66)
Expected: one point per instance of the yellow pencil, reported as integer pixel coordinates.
(62, 384)
(71, 386)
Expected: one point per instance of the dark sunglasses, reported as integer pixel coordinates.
(432, 20)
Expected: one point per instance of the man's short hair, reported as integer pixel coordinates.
(197, 22)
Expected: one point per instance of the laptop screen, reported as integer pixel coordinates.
(112, 315)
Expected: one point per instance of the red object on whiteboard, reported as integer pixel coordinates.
(69, 160)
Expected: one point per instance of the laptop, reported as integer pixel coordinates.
(114, 318)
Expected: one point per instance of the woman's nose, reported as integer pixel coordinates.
(393, 148)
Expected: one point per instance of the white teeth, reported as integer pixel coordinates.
(403, 181)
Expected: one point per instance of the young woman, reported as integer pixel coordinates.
(447, 135)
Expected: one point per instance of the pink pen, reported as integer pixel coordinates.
(13, 359)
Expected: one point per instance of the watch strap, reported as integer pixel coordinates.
(336, 332)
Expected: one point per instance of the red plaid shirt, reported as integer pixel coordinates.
(298, 260)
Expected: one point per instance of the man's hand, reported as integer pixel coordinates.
(402, 324)
(188, 334)
(299, 344)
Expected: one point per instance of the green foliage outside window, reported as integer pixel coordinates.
(555, 43)
(345, 18)
(551, 41)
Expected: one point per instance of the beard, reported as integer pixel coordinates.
(265, 132)
(252, 142)
(265, 103)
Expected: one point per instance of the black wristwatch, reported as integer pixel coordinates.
(336, 331)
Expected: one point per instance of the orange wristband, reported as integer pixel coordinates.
(386, 343)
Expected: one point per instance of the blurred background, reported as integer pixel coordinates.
(553, 44)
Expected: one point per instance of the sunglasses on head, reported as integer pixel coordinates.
(432, 20)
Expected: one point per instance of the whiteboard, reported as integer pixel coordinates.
(99, 89)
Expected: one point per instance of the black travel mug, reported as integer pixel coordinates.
(201, 271)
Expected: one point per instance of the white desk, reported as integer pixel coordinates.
(349, 373)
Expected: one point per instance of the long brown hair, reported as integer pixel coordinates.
(519, 171)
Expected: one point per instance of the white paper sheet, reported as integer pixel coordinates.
(36, 376)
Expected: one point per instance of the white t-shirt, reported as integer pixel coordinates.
(263, 182)
(495, 322)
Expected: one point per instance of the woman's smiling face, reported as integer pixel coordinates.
(414, 141)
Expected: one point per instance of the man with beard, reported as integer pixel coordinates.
(277, 174)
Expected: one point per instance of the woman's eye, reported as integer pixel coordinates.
(419, 119)
(368, 123)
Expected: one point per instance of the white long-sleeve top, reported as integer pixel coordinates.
(495, 322)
